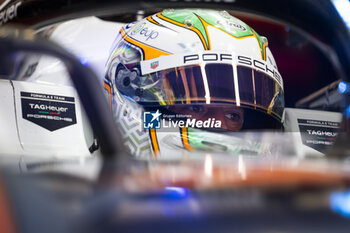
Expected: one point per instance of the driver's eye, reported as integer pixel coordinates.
(196, 108)
(233, 116)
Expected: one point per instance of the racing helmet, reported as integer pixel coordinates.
(203, 65)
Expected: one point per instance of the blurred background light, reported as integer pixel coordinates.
(343, 8)
(84, 61)
(176, 192)
(343, 87)
(340, 203)
(347, 112)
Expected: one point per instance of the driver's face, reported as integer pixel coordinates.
(231, 117)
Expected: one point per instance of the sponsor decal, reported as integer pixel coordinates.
(207, 57)
(9, 13)
(319, 135)
(247, 61)
(51, 112)
(231, 24)
(138, 29)
(154, 64)
(178, 60)
(145, 31)
(154, 120)
(149, 34)
(129, 25)
(261, 66)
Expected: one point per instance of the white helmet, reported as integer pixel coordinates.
(195, 69)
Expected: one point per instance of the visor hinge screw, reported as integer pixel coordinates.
(139, 92)
(188, 23)
(126, 81)
(264, 40)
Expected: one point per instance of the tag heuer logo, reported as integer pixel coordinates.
(154, 64)
(231, 24)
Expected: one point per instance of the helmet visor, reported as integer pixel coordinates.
(211, 83)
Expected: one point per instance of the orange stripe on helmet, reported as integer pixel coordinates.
(185, 140)
(108, 88)
(154, 141)
(262, 49)
(205, 25)
(150, 19)
(149, 51)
